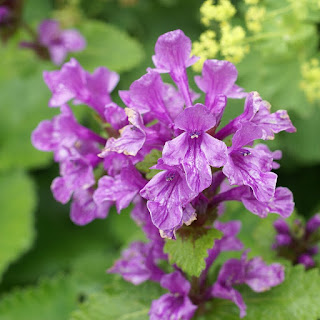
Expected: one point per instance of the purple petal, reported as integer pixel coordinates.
(195, 119)
(58, 53)
(171, 307)
(60, 190)
(218, 77)
(260, 277)
(175, 283)
(48, 30)
(115, 115)
(72, 40)
(84, 209)
(215, 151)
(172, 51)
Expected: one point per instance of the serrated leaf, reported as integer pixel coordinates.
(189, 252)
(150, 160)
(297, 298)
(17, 203)
(108, 46)
(127, 303)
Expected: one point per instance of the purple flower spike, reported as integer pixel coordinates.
(84, 209)
(195, 149)
(138, 264)
(59, 42)
(175, 305)
(218, 78)
(122, 188)
(313, 224)
(168, 193)
(258, 276)
(172, 54)
(250, 166)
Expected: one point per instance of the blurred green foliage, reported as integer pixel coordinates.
(66, 258)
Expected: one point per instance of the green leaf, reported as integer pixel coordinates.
(297, 298)
(121, 301)
(17, 203)
(150, 160)
(108, 46)
(189, 251)
(52, 299)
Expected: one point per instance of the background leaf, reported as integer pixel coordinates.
(108, 46)
(16, 219)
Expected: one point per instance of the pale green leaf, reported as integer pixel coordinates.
(108, 46)
(189, 251)
(17, 203)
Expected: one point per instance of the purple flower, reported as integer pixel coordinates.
(137, 264)
(115, 115)
(168, 194)
(313, 224)
(175, 305)
(84, 209)
(4, 14)
(122, 188)
(76, 173)
(306, 260)
(194, 149)
(73, 82)
(63, 133)
(59, 42)
(255, 273)
(218, 80)
(257, 111)
(250, 166)
(172, 55)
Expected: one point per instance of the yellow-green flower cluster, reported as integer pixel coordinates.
(232, 45)
(253, 2)
(310, 83)
(206, 48)
(254, 18)
(222, 11)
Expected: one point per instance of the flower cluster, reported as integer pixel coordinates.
(197, 168)
(300, 243)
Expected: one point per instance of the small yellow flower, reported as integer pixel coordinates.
(310, 83)
(254, 18)
(207, 47)
(232, 45)
(222, 11)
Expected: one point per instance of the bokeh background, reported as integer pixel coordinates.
(41, 252)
